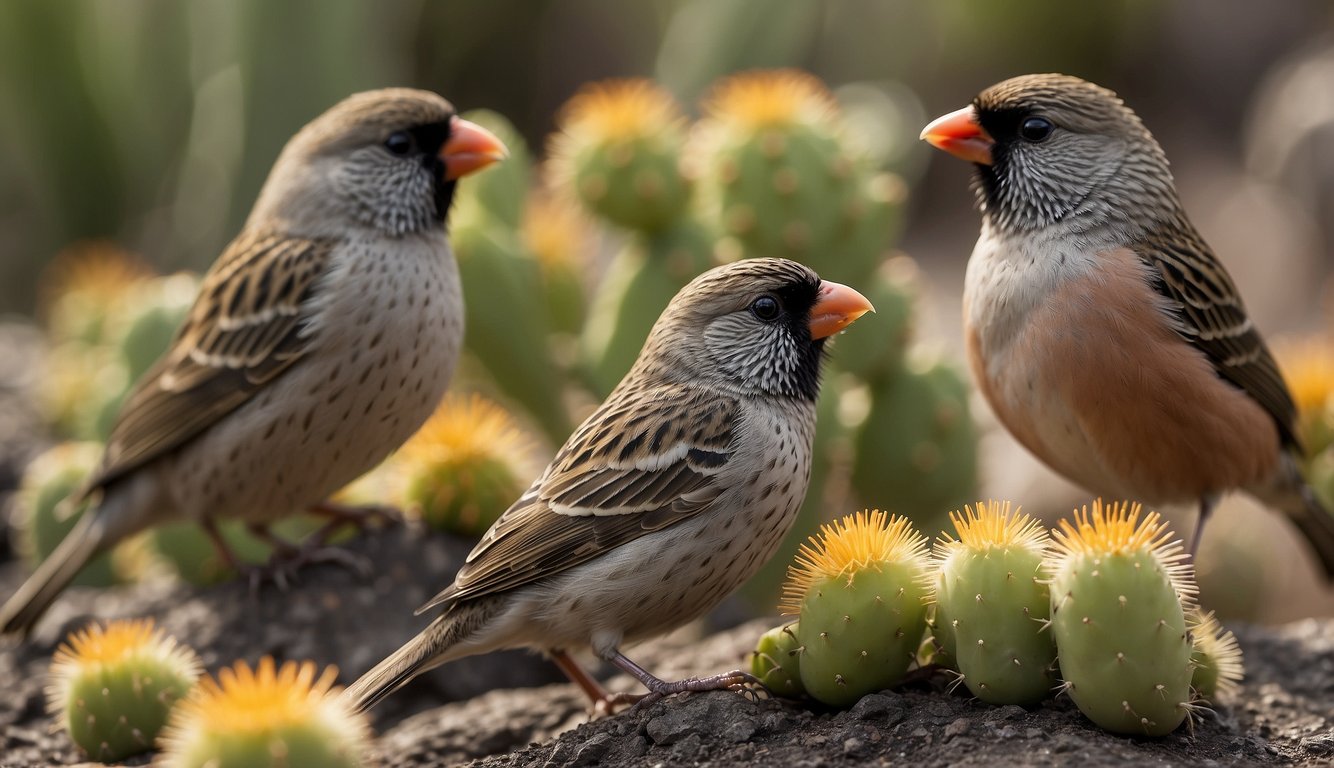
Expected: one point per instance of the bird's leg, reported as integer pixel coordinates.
(736, 680)
(1207, 504)
(362, 517)
(220, 544)
(603, 702)
(288, 558)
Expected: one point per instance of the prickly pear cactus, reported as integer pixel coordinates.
(917, 445)
(639, 283)
(153, 312)
(618, 150)
(561, 238)
(44, 517)
(1215, 655)
(265, 717)
(1118, 586)
(774, 167)
(875, 357)
(777, 661)
(464, 467)
(113, 687)
(859, 591)
(992, 603)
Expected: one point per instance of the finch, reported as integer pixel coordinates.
(321, 339)
(1099, 325)
(672, 493)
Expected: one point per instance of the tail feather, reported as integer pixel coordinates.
(438, 643)
(1317, 525)
(87, 539)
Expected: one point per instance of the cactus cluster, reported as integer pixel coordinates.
(266, 716)
(43, 514)
(1102, 608)
(113, 687)
(859, 590)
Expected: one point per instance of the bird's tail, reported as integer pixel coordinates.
(90, 536)
(1317, 525)
(438, 643)
(1294, 496)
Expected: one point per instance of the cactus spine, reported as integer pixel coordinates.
(859, 590)
(113, 687)
(992, 603)
(1215, 655)
(1118, 586)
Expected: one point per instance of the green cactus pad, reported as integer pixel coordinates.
(639, 283)
(1117, 593)
(874, 357)
(506, 328)
(777, 173)
(859, 590)
(1215, 655)
(500, 190)
(464, 467)
(265, 717)
(777, 661)
(992, 604)
(150, 317)
(619, 152)
(917, 446)
(113, 688)
(43, 517)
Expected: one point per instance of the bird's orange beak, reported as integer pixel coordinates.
(959, 134)
(838, 307)
(470, 149)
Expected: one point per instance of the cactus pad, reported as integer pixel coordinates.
(1216, 656)
(992, 604)
(777, 661)
(859, 590)
(113, 687)
(1118, 587)
(265, 717)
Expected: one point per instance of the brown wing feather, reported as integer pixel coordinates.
(1214, 320)
(244, 329)
(642, 462)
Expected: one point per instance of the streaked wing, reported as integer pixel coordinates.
(644, 461)
(1214, 320)
(246, 327)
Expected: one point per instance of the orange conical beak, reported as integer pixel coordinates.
(837, 308)
(959, 134)
(470, 148)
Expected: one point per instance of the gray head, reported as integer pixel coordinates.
(1054, 148)
(386, 159)
(756, 326)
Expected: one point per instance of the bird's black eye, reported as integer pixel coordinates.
(1036, 129)
(765, 308)
(399, 142)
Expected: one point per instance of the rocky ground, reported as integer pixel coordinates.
(505, 709)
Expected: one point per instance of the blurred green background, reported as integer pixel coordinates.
(152, 124)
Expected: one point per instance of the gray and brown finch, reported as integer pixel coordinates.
(664, 501)
(321, 339)
(1102, 329)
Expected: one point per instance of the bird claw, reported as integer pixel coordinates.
(285, 564)
(363, 517)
